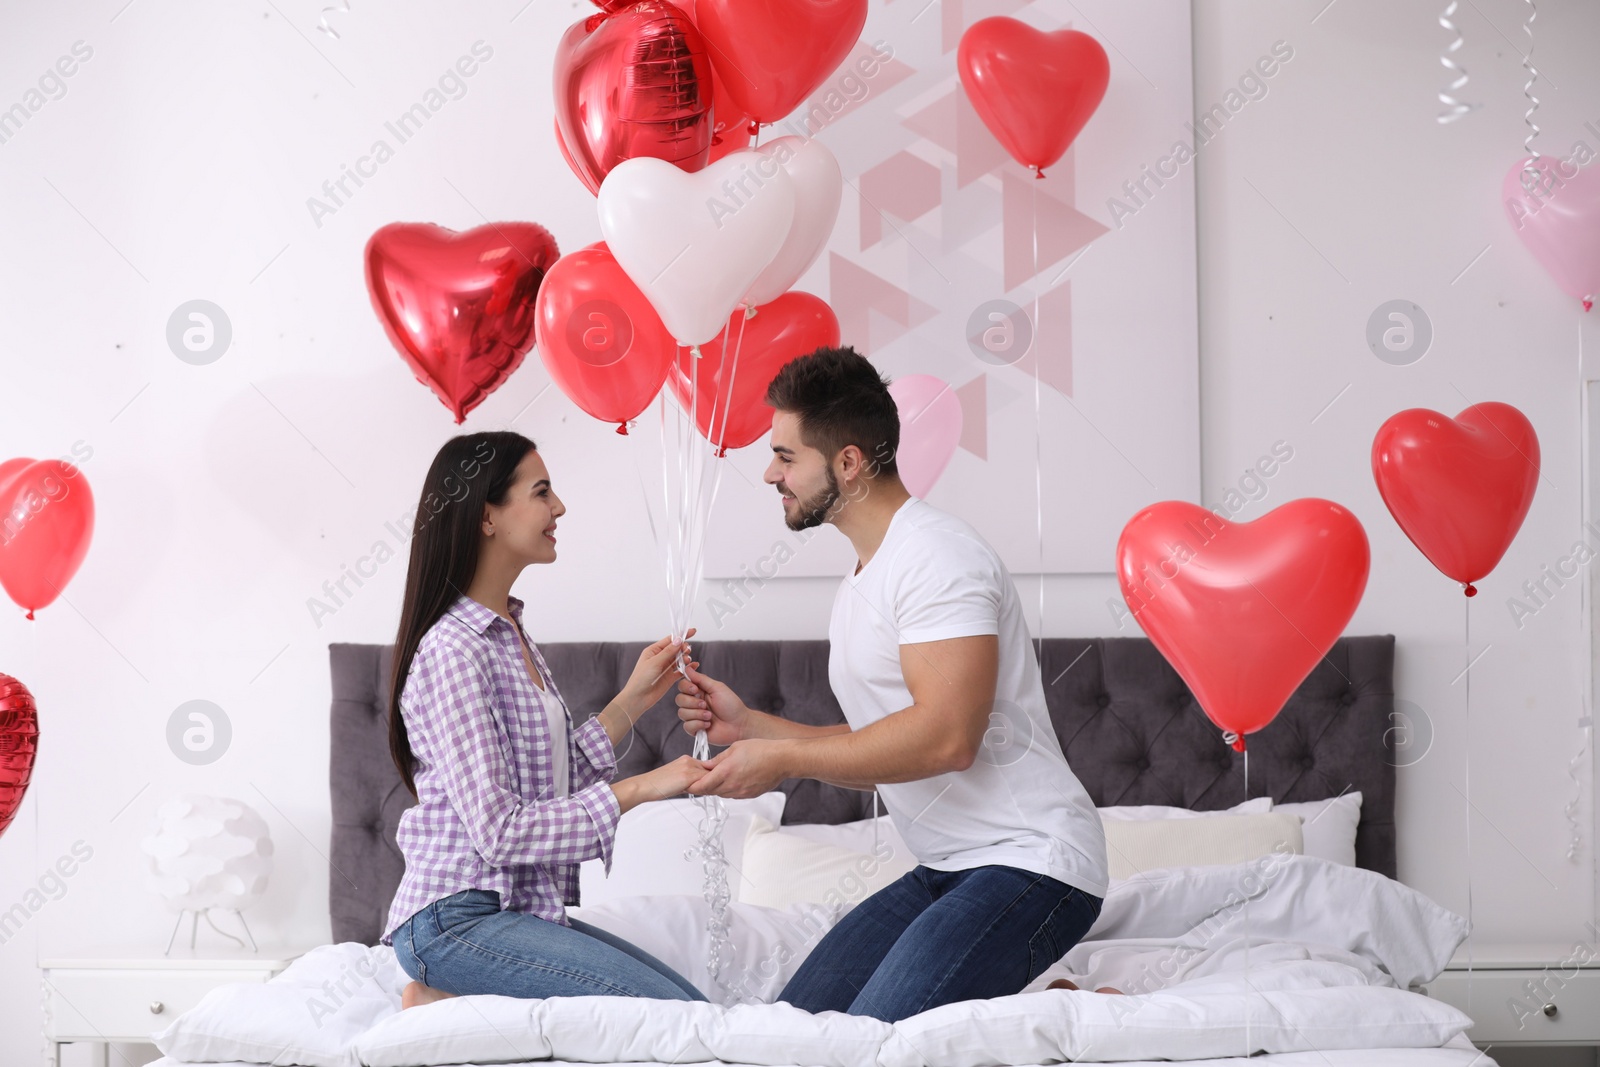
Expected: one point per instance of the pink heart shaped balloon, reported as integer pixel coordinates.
(1555, 208)
(930, 429)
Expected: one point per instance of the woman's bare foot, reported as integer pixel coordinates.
(417, 993)
(1062, 983)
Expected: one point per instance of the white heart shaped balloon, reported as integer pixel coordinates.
(694, 244)
(818, 187)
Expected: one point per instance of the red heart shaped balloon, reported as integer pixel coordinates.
(46, 521)
(1034, 90)
(731, 128)
(459, 306)
(635, 82)
(19, 744)
(728, 396)
(599, 338)
(772, 54)
(1459, 487)
(1243, 610)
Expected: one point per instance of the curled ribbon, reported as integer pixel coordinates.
(1527, 91)
(324, 25)
(1454, 108)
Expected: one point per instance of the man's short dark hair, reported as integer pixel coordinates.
(840, 399)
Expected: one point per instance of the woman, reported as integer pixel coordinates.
(510, 797)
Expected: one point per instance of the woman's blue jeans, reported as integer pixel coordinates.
(465, 943)
(936, 937)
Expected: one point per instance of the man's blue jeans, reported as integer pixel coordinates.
(936, 937)
(465, 944)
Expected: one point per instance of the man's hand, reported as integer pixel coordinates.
(743, 770)
(705, 704)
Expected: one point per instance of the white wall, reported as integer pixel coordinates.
(178, 163)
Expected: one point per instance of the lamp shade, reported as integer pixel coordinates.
(207, 852)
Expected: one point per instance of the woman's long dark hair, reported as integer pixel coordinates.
(470, 471)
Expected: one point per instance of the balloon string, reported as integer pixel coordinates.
(1586, 722)
(692, 516)
(1454, 108)
(1038, 426)
(721, 435)
(33, 666)
(1467, 782)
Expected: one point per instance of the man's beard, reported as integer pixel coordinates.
(815, 510)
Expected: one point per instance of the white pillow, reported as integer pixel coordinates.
(1257, 806)
(781, 869)
(768, 944)
(855, 836)
(1137, 845)
(310, 1014)
(648, 858)
(1329, 826)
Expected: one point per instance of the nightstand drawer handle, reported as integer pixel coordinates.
(1550, 1010)
(156, 1008)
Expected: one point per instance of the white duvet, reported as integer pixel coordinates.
(1282, 954)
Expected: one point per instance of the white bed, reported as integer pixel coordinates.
(1304, 958)
(1300, 958)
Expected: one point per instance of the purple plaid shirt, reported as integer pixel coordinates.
(486, 816)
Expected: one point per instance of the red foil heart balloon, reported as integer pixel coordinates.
(19, 744)
(458, 307)
(1459, 487)
(1034, 90)
(46, 522)
(731, 410)
(1243, 610)
(634, 82)
(772, 54)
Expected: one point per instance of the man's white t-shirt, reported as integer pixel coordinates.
(1019, 804)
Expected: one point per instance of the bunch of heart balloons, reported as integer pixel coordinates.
(656, 106)
(46, 522)
(1244, 610)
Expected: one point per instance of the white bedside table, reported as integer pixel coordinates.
(1527, 994)
(99, 1000)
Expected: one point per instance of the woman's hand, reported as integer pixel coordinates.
(654, 674)
(663, 783)
(707, 704)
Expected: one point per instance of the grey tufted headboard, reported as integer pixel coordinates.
(1128, 724)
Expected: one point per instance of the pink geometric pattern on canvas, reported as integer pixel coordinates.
(835, 100)
(854, 292)
(1062, 229)
(951, 123)
(974, 397)
(1052, 333)
(903, 186)
(897, 188)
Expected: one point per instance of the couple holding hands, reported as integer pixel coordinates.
(928, 644)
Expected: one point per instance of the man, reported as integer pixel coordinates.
(929, 650)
